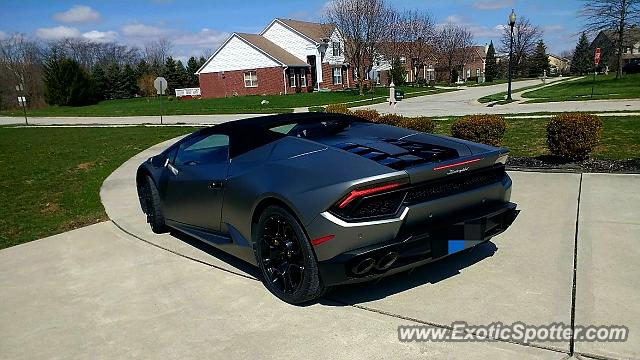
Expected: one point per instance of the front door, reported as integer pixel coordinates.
(194, 191)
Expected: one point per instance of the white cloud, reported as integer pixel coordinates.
(138, 30)
(100, 36)
(205, 37)
(78, 14)
(57, 33)
(493, 5)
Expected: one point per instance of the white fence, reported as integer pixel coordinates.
(188, 92)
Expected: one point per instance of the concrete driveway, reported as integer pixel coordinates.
(116, 290)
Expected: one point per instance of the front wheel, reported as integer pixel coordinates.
(153, 206)
(285, 257)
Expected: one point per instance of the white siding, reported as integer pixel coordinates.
(290, 41)
(238, 55)
(329, 58)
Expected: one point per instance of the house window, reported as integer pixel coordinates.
(477, 72)
(337, 76)
(337, 50)
(292, 78)
(403, 60)
(303, 77)
(250, 79)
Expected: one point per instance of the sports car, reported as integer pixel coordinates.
(316, 200)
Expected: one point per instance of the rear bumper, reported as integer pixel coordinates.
(416, 246)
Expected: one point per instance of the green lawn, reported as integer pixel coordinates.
(527, 137)
(50, 177)
(232, 105)
(604, 87)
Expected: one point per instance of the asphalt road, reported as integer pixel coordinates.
(464, 102)
(115, 289)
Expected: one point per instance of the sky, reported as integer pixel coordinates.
(197, 28)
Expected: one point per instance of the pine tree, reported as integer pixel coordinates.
(581, 62)
(398, 72)
(142, 69)
(130, 82)
(66, 83)
(172, 75)
(491, 66)
(100, 81)
(539, 62)
(183, 77)
(115, 85)
(201, 61)
(192, 67)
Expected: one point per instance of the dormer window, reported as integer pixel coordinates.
(337, 50)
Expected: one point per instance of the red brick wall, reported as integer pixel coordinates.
(214, 85)
(327, 78)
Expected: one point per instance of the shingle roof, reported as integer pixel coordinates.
(272, 49)
(315, 31)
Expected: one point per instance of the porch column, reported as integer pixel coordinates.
(318, 69)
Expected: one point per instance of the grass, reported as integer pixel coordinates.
(604, 87)
(50, 177)
(232, 105)
(527, 137)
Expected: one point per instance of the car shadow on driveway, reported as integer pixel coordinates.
(430, 273)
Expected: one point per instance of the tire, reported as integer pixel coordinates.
(153, 206)
(285, 257)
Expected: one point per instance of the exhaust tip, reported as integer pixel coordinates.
(363, 266)
(386, 261)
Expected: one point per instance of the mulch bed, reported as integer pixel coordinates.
(555, 164)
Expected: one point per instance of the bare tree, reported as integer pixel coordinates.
(363, 25)
(611, 15)
(525, 38)
(411, 35)
(88, 53)
(21, 62)
(452, 44)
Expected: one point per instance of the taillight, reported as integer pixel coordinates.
(362, 193)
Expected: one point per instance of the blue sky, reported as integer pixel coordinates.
(198, 27)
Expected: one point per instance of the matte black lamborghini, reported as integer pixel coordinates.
(316, 200)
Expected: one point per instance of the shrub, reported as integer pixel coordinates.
(390, 119)
(367, 114)
(486, 129)
(573, 135)
(418, 123)
(337, 109)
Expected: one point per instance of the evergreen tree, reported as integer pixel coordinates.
(142, 69)
(192, 67)
(491, 66)
(172, 74)
(130, 81)
(115, 83)
(539, 62)
(183, 76)
(100, 81)
(398, 72)
(201, 61)
(581, 62)
(66, 83)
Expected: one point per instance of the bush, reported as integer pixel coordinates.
(573, 135)
(367, 114)
(418, 123)
(486, 129)
(422, 82)
(390, 119)
(337, 109)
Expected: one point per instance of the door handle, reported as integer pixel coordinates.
(215, 184)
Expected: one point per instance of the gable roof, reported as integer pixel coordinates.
(269, 48)
(313, 31)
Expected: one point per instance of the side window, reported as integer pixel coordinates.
(208, 149)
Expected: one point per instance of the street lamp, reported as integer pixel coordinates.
(512, 22)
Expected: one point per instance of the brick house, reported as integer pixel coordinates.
(606, 40)
(287, 56)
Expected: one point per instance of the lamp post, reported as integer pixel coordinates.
(512, 22)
